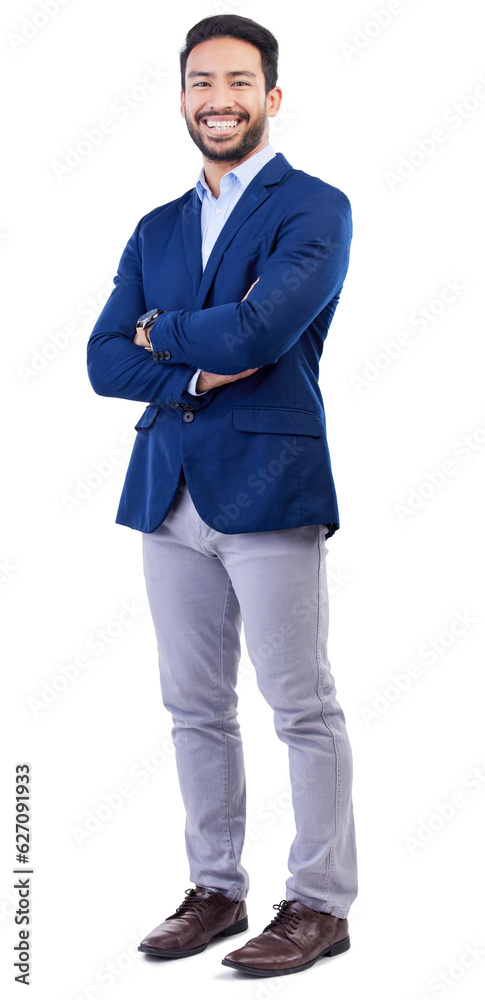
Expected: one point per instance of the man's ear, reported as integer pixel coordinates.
(182, 104)
(274, 101)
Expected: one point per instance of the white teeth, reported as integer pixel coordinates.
(222, 125)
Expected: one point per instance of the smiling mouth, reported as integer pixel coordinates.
(219, 125)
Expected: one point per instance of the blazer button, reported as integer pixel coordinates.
(167, 355)
(188, 416)
(159, 355)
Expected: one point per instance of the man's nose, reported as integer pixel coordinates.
(222, 96)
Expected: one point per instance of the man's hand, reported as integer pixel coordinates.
(141, 338)
(208, 380)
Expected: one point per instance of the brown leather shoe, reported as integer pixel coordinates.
(291, 942)
(203, 915)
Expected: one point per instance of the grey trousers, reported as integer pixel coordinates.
(201, 585)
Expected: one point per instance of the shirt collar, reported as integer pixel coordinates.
(243, 173)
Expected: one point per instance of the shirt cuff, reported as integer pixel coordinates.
(191, 385)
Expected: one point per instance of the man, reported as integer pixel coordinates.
(234, 286)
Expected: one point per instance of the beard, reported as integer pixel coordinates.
(226, 150)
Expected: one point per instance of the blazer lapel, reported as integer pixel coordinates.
(255, 195)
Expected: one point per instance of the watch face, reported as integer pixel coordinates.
(151, 314)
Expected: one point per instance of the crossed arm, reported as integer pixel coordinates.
(301, 276)
(206, 380)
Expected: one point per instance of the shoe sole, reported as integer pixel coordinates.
(242, 925)
(335, 949)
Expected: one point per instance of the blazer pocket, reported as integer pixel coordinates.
(248, 249)
(148, 418)
(277, 420)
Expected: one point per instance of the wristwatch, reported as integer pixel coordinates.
(146, 320)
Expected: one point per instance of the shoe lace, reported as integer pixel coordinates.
(284, 917)
(191, 902)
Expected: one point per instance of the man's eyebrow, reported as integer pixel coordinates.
(235, 72)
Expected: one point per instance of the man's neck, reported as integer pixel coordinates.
(214, 170)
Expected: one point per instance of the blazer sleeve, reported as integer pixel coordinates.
(303, 274)
(117, 366)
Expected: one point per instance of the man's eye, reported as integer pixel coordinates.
(237, 83)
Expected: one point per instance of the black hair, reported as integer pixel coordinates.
(235, 26)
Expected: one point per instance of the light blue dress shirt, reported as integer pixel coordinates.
(215, 211)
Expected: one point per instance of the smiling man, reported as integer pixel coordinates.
(244, 121)
(222, 302)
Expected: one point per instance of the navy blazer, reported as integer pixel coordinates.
(254, 452)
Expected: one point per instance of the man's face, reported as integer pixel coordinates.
(224, 83)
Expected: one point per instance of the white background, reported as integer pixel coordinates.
(398, 576)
